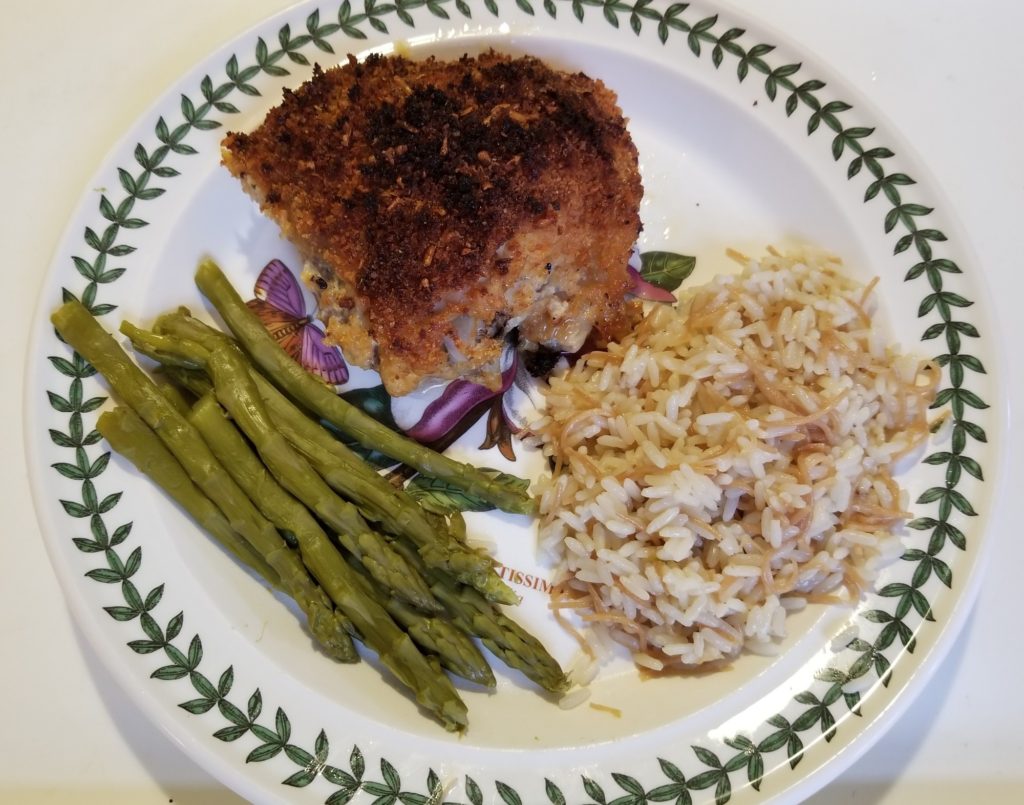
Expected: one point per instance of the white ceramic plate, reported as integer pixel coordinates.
(743, 143)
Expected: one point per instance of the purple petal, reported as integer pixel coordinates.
(444, 413)
(642, 289)
(278, 286)
(320, 358)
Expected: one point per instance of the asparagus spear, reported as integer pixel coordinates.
(455, 650)
(245, 466)
(342, 469)
(173, 395)
(236, 391)
(191, 380)
(345, 586)
(79, 329)
(453, 647)
(311, 392)
(393, 508)
(505, 638)
(133, 439)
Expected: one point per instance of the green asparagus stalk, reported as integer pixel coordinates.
(237, 392)
(393, 508)
(453, 647)
(344, 585)
(132, 438)
(173, 395)
(505, 638)
(311, 392)
(193, 381)
(343, 470)
(80, 329)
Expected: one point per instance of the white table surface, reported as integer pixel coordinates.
(74, 76)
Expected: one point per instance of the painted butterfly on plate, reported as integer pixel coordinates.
(281, 306)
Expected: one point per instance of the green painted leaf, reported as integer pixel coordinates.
(265, 734)
(108, 503)
(232, 713)
(668, 793)
(554, 793)
(774, 741)
(374, 401)
(628, 784)
(671, 770)
(232, 733)
(255, 706)
(169, 672)
(198, 706)
(61, 439)
(263, 752)
(300, 779)
(795, 750)
(707, 757)
(174, 625)
(104, 575)
(339, 777)
(195, 654)
(356, 763)
(737, 761)
(442, 498)
(723, 791)
(203, 685)
(473, 792)
(594, 791)
(507, 793)
(321, 747)
(145, 646)
(69, 471)
(131, 596)
(667, 270)
(227, 679)
(119, 613)
(284, 727)
(298, 755)
(705, 779)
(58, 403)
(384, 795)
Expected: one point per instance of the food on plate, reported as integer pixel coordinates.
(390, 575)
(134, 439)
(501, 491)
(442, 204)
(729, 461)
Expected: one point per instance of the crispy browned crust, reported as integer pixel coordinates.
(429, 191)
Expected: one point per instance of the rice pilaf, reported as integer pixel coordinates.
(729, 460)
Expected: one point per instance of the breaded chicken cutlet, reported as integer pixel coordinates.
(441, 204)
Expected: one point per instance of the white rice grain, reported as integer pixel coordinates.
(738, 459)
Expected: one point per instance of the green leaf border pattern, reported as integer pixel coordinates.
(739, 761)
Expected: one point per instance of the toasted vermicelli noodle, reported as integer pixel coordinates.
(728, 457)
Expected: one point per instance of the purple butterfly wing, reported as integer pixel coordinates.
(320, 358)
(278, 286)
